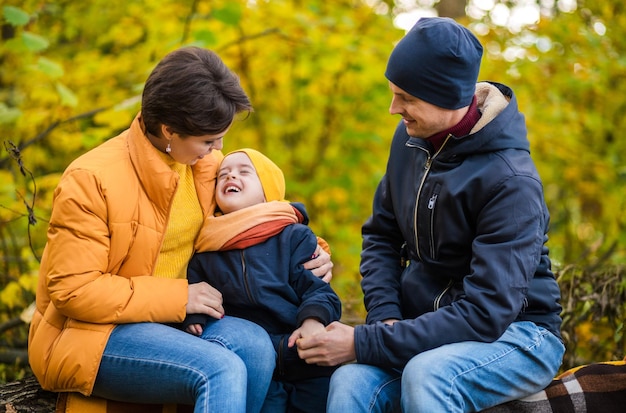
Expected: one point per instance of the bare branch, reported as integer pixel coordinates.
(12, 323)
(242, 39)
(22, 145)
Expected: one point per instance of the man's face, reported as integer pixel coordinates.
(421, 119)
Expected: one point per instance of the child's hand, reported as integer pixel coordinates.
(309, 327)
(195, 329)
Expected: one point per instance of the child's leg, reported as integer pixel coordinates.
(276, 399)
(308, 396)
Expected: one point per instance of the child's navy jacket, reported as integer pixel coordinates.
(267, 284)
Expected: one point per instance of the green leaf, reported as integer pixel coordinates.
(34, 42)
(50, 68)
(10, 295)
(207, 37)
(14, 16)
(8, 115)
(618, 333)
(67, 96)
(231, 14)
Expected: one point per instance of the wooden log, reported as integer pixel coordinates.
(26, 396)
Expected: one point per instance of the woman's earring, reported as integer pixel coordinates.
(168, 149)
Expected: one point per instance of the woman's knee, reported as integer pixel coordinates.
(221, 366)
(247, 340)
(233, 333)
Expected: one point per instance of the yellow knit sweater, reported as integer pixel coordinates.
(184, 223)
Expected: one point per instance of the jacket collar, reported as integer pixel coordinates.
(159, 180)
(500, 127)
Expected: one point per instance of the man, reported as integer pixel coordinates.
(463, 309)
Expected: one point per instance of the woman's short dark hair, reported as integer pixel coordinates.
(193, 92)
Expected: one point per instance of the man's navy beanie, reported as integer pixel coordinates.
(437, 61)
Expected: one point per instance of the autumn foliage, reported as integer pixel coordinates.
(71, 74)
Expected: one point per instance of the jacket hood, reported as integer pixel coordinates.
(501, 125)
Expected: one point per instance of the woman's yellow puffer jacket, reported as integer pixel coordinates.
(109, 216)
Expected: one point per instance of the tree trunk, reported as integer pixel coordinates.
(26, 396)
(454, 9)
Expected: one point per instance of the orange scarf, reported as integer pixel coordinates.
(247, 226)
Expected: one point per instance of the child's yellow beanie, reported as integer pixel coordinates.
(270, 175)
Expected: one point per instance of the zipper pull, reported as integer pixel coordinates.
(431, 201)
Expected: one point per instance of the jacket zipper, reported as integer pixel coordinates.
(427, 165)
(279, 359)
(244, 275)
(431, 207)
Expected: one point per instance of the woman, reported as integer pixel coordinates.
(113, 274)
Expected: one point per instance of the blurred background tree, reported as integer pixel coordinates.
(71, 75)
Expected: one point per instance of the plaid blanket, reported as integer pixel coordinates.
(594, 388)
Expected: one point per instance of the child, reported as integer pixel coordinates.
(252, 251)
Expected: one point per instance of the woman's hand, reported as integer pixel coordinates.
(320, 264)
(204, 299)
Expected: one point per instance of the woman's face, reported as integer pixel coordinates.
(191, 149)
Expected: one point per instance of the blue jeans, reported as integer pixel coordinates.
(461, 377)
(228, 369)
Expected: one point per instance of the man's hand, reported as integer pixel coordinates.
(333, 347)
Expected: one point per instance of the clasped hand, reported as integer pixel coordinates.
(331, 347)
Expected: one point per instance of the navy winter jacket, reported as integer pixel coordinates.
(267, 284)
(472, 223)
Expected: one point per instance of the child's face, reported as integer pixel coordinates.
(238, 185)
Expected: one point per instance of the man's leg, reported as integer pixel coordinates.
(473, 376)
(360, 388)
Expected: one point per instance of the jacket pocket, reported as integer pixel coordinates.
(453, 292)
